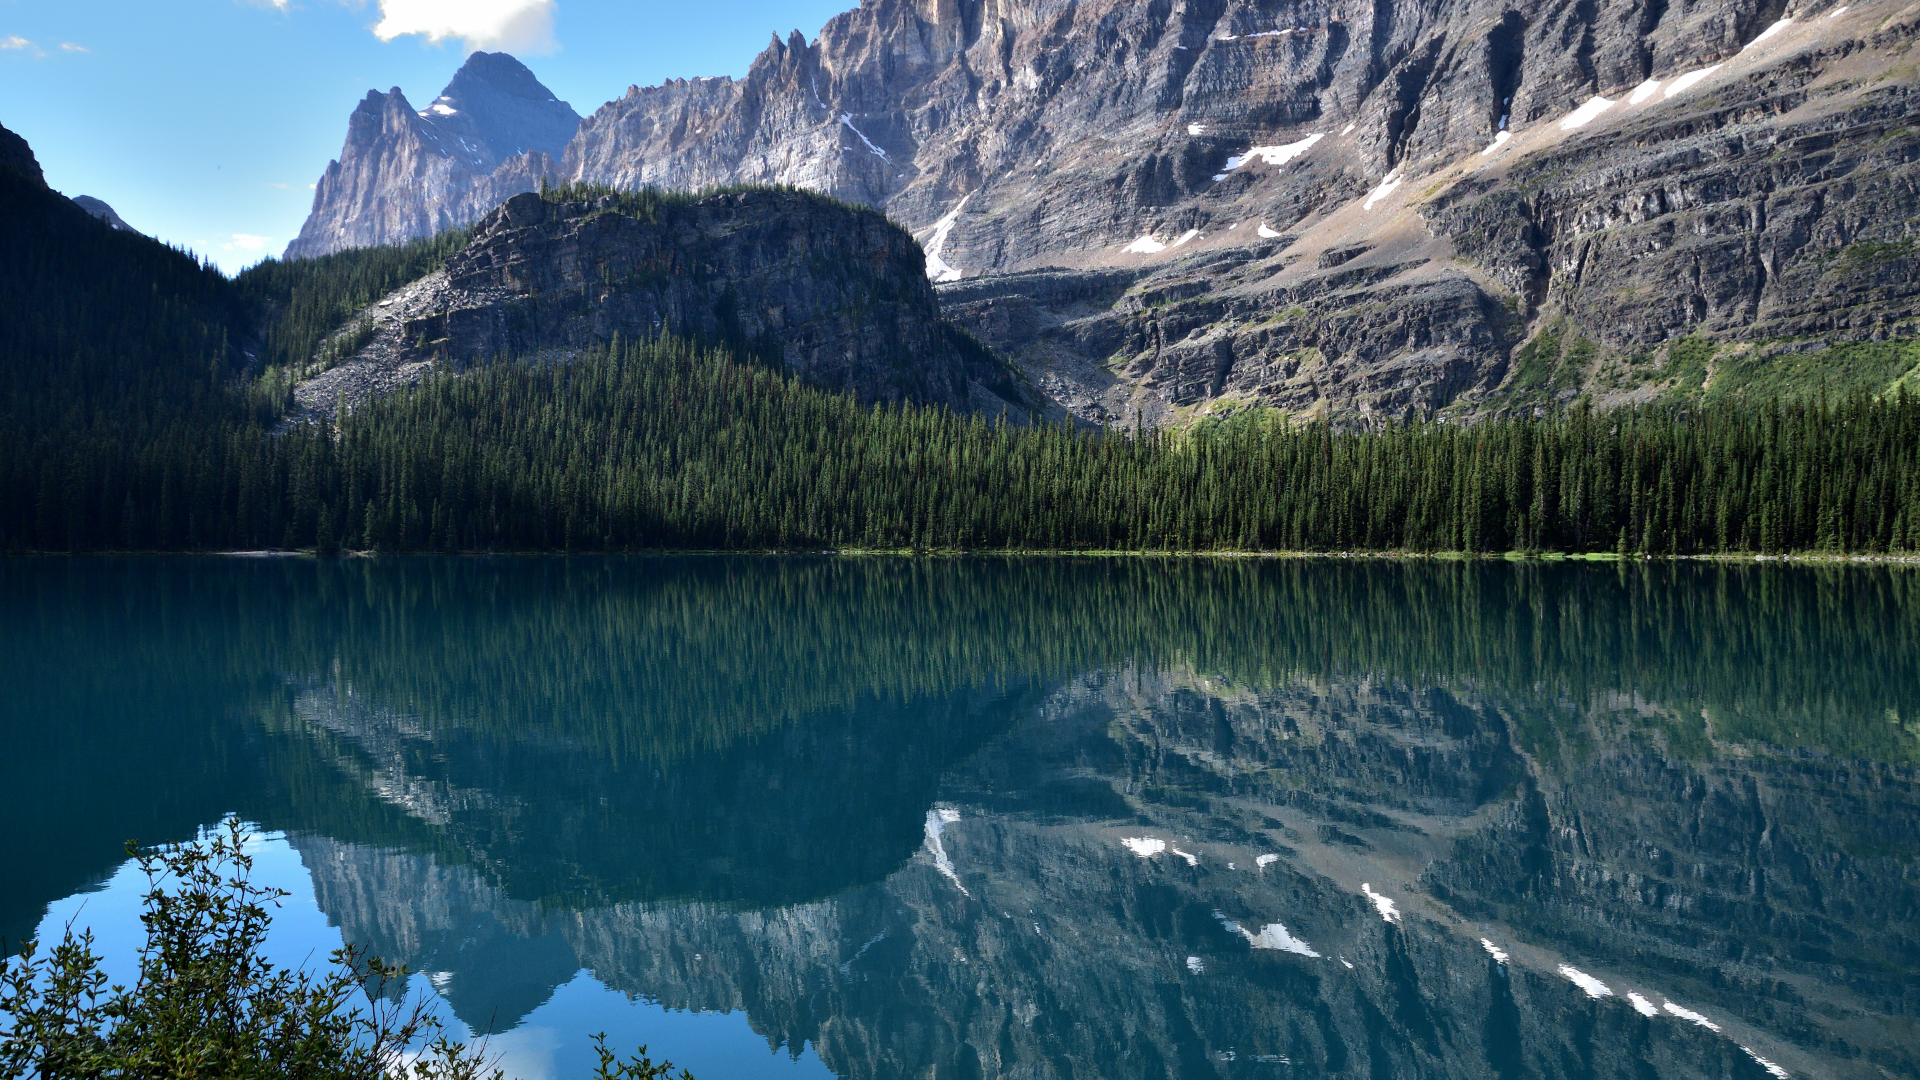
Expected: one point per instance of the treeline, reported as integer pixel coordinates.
(301, 302)
(659, 445)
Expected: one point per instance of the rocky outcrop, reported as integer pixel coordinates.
(829, 292)
(405, 173)
(1340, 210)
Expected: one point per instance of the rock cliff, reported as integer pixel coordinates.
(1354, 210)
(830, 292)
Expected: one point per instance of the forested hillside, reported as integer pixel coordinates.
(144, 398)
(659, 445)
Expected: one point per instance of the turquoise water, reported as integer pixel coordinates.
(1018, 817)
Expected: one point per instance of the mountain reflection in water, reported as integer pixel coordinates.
(1039, 817)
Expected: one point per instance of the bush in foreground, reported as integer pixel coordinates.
(209, 1004)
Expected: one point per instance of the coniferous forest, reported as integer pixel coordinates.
(130, 420)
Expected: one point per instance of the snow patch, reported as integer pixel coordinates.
(1274, 155)
(1683, 83)
(1772, 1070)
(1594, 987)
(1837, 12)
(1585, 114)
(1184, 237)
(1642, 1005)
(441, 108)
(847, 119)
(1644, 91)
(1146, 245)
(1387, 908)
(1196, 965)
(1689, 1014)
(1144, 846)
(1196, 129)
(1348, 130)
(1499, 954)
(1191, 860)
(938, 819)
(1275, 936)
(937, 267)
(1387, 184)
(1767, 33)
(1347, 962)
(1265, 861)
(1499, 140)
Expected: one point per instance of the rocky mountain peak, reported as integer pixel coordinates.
(404, 172)
(494, 102)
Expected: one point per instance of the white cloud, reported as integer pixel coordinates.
(524, 26)
(247, 242)
(15, 41)
(68, 46)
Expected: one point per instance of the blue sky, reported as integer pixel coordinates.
(204, 122)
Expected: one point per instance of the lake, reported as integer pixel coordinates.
(1024, 817)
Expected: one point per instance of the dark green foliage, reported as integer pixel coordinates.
(102, 329)
(302, 301)
(663, 446)
(207, 1002)
(647, 203)
(131, 420)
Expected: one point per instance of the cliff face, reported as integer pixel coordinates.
(832, 293)
(1348, 209)
(406, 173)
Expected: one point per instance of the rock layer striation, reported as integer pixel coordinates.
(1352, 211)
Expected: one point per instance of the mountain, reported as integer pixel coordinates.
(405, 173)
(99, 209)
(1329, 208)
